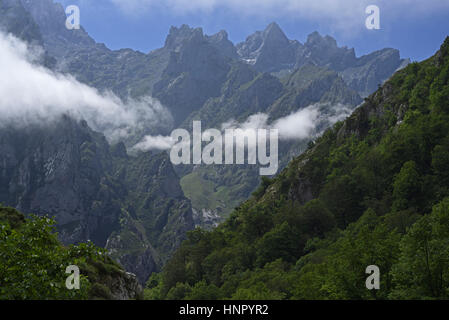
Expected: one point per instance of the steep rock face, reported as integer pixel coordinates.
(156, 200)
(269, 50)
(51, 19)
(155, 214)
(17, 20)
(195, 72)
(309, 85)
(126, 287)
(272, 51)
(364, 76)
(132, 205)
(224, 46)
(255, 96)
(59, 171)
(324, 51)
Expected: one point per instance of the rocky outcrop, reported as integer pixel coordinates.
(126, 287)
(221, 42)
(324, 52)
(372, 70)
(271, 51)
(309, 85)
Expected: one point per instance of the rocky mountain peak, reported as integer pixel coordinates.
(222, 35)
(270, 37)
(324, 51)
(315, 38)
(178, 36)
(269, 50)
(221, 41)
(274, 33)
(315, 41)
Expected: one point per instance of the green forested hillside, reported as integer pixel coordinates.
(373, 190)
(33, 264)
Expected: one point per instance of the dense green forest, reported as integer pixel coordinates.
(33, 264)
(373, 190)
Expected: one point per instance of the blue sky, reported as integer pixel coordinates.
(415, 27)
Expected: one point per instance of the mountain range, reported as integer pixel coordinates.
(139, 206)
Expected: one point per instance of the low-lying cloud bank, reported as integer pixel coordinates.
(304, 124)
(154, 143)
(298, 125)
(32, 94)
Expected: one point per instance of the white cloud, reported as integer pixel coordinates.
(154, 143)
(255, 121)
(30, 93)
(298, 125)
(302, 124)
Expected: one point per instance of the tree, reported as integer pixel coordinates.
(316, 219)
(342, 196)
(423, 267)
(33, 262)
(440, 164)
(283, 242)
(202, 291)
(406, 187)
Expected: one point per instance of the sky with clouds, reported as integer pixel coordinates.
(416, 27)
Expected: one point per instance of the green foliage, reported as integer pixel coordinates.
(153, 288)
(265, 183)
(363, 244)
(203, 291)
(178, 292)
(33, 262)
(406, 186)
(423, 268)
